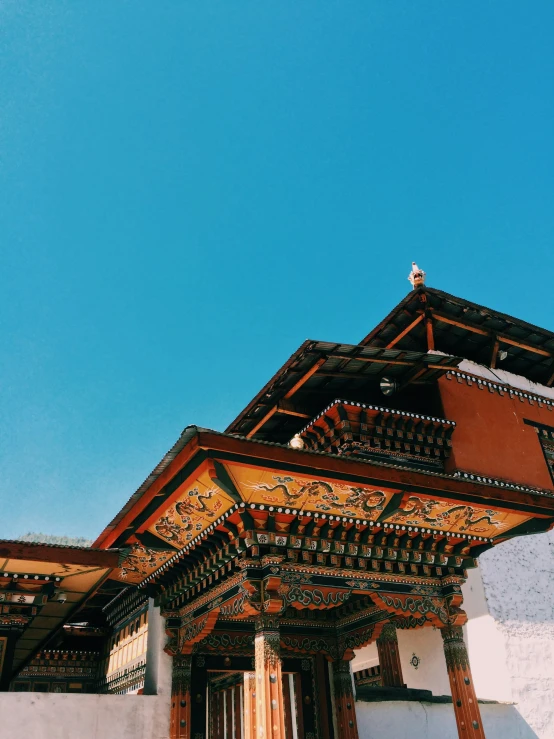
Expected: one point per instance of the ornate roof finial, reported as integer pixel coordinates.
(416, 276)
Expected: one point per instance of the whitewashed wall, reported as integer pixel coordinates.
(412, 720)
(509, 600)
(69, 716)
(518, 580)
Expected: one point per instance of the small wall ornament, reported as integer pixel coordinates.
(415, 661)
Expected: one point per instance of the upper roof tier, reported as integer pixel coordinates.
(406, 347)
(467, 330)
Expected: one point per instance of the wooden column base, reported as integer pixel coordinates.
(466, 708)
(345, 706)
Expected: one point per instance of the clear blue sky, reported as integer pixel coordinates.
(187, 183)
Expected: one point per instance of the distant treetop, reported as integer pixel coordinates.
(72, 541)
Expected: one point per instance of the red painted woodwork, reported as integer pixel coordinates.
(491, 438)
(345, 707)
(466, 707)
(269, 681)
(180, 699)
(324, 703)
(389, 657)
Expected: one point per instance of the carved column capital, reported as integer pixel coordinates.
(389, 656)
(344, 700)
(181, 672)
(455, 650)
(342, 677)
(388, 633)
(267, 622)
(180, 697)
(268, 641)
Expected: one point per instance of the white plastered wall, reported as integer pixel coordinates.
(426, 645)
(414, 720)
(509, 600)
(68, 716)
(518, 581)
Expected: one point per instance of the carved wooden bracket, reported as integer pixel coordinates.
(433, 607)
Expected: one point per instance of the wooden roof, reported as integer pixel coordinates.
(318, 373)
(215, 477)
(468, 330)
(30, 573)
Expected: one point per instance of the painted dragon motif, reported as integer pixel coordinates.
(196, 504)
(315, 488)
(367, 500)
(426, 510)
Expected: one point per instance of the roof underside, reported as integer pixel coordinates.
(468, 330)
(319, 373)
(32, 573)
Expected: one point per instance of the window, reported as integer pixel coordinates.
(546, 438)
(548, 449)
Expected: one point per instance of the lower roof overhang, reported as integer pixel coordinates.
(207, 476)
(43, 586)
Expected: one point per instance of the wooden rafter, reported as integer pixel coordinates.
(289, 409)
(376, 360)
(499, 337)
(298, 384)
(429, 331)
(59, 555)
(494, 353)
(406, 331)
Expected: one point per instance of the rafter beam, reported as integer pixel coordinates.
(60, 555)
(429, 332)
(298, 384)
(494, 353)
(289, 409)
(499, 337)
(406, 331)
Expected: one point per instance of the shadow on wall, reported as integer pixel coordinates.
(415, 720)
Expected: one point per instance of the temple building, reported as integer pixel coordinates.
(313, 571)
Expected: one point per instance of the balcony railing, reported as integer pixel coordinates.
(380, 433)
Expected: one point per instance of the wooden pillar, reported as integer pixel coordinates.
(199, 689)
(389, 657)
(229, 703)
(466, 708)
(270, 711)
(325, 719)
(249, 701)
(180, 698)
(8, 638)
(344, 700)
(238, 712)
